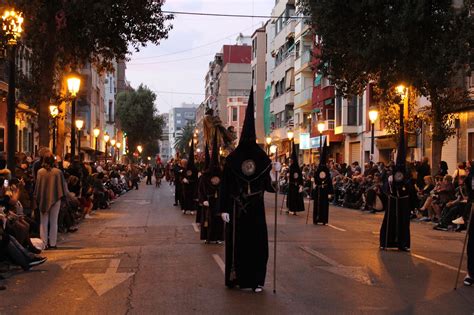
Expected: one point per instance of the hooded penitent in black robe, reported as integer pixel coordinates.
(245, 178)
(323, 188)
(395, 230)
(190, 187)
(295, 200)
(212, 226)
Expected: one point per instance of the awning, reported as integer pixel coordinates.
(329, 101)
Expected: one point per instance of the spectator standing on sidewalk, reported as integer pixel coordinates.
(49, 190)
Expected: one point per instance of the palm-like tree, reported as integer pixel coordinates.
(182, 139)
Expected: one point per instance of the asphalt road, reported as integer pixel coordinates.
(144, 256)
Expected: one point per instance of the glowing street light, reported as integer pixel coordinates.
(321, 127)
(373, 115)
(139, 149)
(73, 85)
(290, 134)
(54, 111)
(112, 142)
(79, 124)
(12, 22)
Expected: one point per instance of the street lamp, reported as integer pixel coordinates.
(118, 145)
(290, 134)
(402, 91)
(139, 149)
(373, 115)
(112, 147)
(54, 112)
(96, 132)
(321, 127)
(12, 22)
(73, 85)
(268, 140)
(106, 139)
(79, 125)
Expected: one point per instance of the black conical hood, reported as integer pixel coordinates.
(191, 155)
(248, 134)
(323, 157)
(215, 153)
(207, 158)
(294, 155)
(401, 153)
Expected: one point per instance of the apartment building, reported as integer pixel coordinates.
(179, 117)
(258, 65)
(283, 76)
(164, 142)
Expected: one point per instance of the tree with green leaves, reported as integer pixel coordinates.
(425, 44)
(183, 139)
(139, 119)
(65, 35)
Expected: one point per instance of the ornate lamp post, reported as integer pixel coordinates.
(112, 147)
(79, 125)
(96, 132)
(402, 91)
(12, 22)
(106, 139)
(73, 85)
(54, 112)
(118, 145)
(268, 140)
(290, 134)
(321, 127)
(373, 115)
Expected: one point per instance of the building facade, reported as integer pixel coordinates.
(283, 76)
(179, 117)
(258, 66)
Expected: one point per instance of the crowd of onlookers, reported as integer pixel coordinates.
(441, 198)
(46, 195)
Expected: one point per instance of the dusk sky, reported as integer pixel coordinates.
(176, 68)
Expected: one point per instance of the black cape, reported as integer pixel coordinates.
(295, 200)
(320, 194)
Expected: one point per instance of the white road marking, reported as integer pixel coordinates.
(436, 262)
(219, 262)
(336, 228)
(66, 264)
(359, 274)
(104, 282)
(195, 227)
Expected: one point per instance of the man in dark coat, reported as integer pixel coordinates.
(323, 188)
(246, 177)
(295, 200)
(395, 230)
(178, 172)
(212, 226)
(189, 183)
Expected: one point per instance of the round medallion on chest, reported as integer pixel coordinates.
(248, 167)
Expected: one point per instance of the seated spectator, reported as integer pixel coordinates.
(454, 208)
(374, 197)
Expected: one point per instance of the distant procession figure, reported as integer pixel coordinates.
(246, 177)
(189, 183)
(212, 226)
(401, 194)
(295, 200)
(322, 189)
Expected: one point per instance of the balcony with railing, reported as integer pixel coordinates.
(303, 62)
(303, 98)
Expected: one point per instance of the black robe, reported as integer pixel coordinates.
(400, 203)
(178, 186)
(189, 190)
(320, 195)
(246, 257)
(295, 200)
(212, 226)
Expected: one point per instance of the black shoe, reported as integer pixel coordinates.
(468, 281)
(440, 227)
(51, 247)
(460, 228)
(34, 250)
(37, 260)
(175, 204)
(405, 249)
(72, 229)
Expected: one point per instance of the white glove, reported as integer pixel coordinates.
(186, 181)
(205, 203)
(225, 217)
(300, 190)
(312, 179)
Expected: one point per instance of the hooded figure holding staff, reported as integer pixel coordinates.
(323, 188)
(245, 178)
(295, 200)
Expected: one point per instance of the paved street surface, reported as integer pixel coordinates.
(144, 256)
